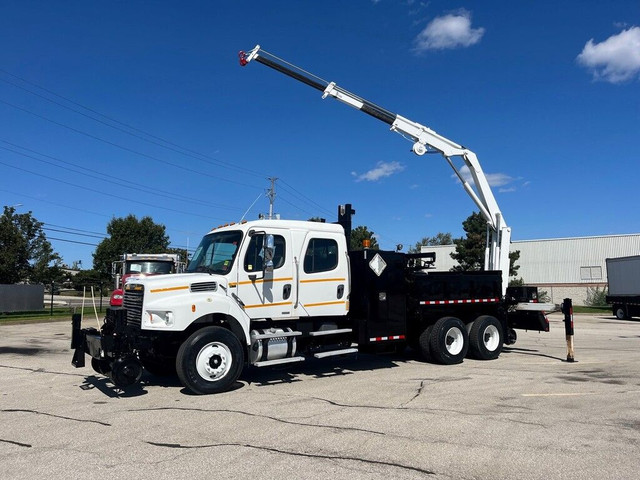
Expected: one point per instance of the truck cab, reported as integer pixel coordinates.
(141, 265)
(278, 269)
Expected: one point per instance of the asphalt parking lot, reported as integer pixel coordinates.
(528, 415)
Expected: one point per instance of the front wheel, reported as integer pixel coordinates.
(485, 338)
(449, 341)
(210, 360)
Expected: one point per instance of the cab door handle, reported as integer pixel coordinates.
(286, 291)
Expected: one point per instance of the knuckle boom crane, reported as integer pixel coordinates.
(425, 140)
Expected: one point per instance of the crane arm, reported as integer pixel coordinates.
(425, 140)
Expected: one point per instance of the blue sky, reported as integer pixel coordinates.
(110, 108)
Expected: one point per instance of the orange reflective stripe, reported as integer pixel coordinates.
(322, 304)
(323, 280)
(169, 289)
(268, 305)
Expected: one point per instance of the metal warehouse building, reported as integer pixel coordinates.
(564, 267)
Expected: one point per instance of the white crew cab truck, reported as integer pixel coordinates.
(268, 292)
(274, 291)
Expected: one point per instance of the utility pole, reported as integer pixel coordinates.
(271, 195)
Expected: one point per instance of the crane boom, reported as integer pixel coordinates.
(425, 140)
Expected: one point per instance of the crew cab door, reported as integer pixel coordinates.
(266, 293)
(323, 276)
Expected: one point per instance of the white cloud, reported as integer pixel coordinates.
(494, 179)
(615, 60)
(383, 169)
(449, 31)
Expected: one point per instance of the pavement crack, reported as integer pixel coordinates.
(275, 419)
(23, 410)
(296, 454)
(19, 444)
(416, 395)
(42, 370)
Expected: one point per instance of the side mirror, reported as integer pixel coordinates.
(269, 250)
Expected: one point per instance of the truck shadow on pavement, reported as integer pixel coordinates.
(530, 352)
(253, 376)
(318, 369)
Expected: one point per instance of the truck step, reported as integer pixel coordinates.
(278, 361)
(279, 334)
(332, 353)
(330, 332)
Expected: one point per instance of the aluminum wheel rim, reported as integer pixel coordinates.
(214, 361)
(491, 338)
(454, 341)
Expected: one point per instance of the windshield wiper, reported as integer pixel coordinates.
(205, 268)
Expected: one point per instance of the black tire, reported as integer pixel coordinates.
(620, 312)
(485, 338)
(103, 367)
(210, 360)
(423, 342)
(125, 371)
(449, 341)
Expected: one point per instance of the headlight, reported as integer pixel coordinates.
(159, 318)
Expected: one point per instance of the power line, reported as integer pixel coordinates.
(102, 235)
(187, 152)
(72, 233)
(106, 178)
(104, 193)
(72, 241)
(303, 197)
(127, 149)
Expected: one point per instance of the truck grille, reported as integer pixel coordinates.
(133, 297)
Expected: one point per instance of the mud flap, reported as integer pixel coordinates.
(77, 341)
(528, 320)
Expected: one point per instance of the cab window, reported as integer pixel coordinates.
(321, 255)
(254, 258)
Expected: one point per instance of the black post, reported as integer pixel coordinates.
(567, 309)
(51, 311)
(345, 212)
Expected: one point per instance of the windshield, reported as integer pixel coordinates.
(149, 267)
(216, 253)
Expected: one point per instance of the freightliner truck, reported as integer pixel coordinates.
(623, 274)
(271, 292)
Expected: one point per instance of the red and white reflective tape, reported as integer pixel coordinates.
(382, 339)
(456, 302)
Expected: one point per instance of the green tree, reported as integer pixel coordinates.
(129, 235)
(440, 239)
(596, 297)
(87, 278)
(513, 258)
(359, 234)
(470, 250)
(25, 252)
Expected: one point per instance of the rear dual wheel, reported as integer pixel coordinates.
(448, 341)
(485, 338)
(620, 313)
